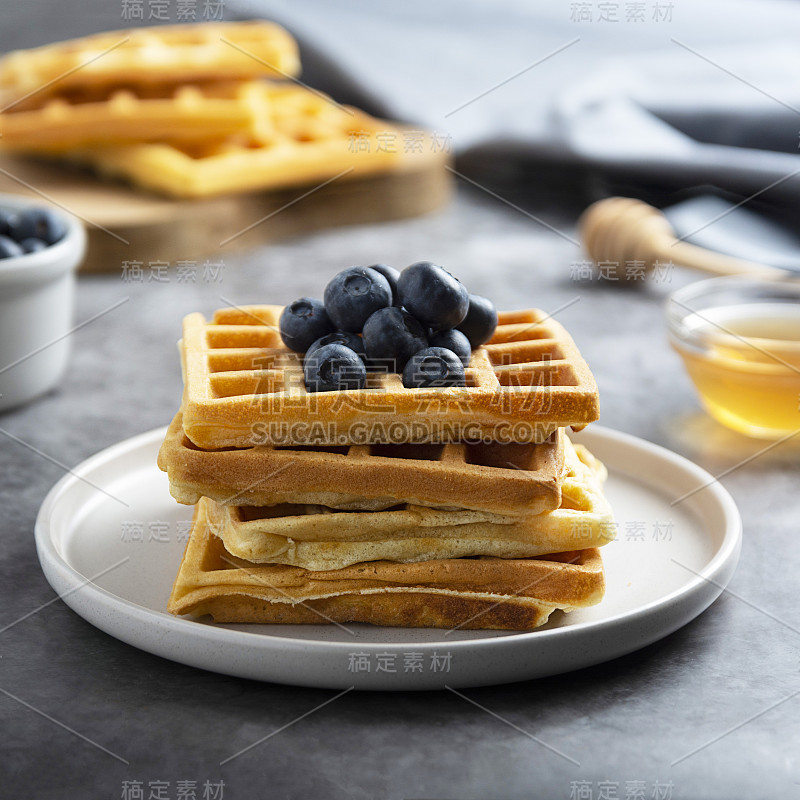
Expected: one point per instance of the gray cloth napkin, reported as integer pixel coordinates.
(573, 100)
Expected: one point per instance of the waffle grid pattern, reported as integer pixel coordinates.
(583, 500)
(185, 53)
(509, 594)
(316, 537)
(136, 114)
(513, 479)
(529, 380)
(295, 136)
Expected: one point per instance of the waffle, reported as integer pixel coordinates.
(132, 114)
(306, 138)
(184, 53)
(507, 479)
(483, 593)
(242, 386)
(318, 538)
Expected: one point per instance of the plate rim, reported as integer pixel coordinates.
(724, 558)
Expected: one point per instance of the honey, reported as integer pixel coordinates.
(744, 360)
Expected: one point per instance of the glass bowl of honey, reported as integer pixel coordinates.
(739, 338)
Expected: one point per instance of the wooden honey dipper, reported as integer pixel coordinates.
(621, 230)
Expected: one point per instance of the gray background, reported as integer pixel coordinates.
(627, 720)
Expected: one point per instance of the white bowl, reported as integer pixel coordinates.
(36, 308)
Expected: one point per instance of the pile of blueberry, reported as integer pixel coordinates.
(29, 230)
(420, 322)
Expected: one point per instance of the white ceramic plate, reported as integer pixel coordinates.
(110, 538)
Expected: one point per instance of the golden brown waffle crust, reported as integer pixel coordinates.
(121, 115)
(525, 479)
(242, 386)
(411, 610)
(231, 167)
(181, 53)
(317, 538)
(478, 594)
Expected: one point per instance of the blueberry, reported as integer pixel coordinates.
(333, 367)
(7, 221)
(481, 320)
(456, 342)
(392, 336)
(433, 295)
(32, 245)
(351, 340)
(39, 223)
(353, 295)
(391, 275)
(433, 367)
(9, 248)
(302, 322)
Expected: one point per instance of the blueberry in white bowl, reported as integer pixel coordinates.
(40, 251)
(7, 216)
(9, 248)
(29, 230)
(32, 245)
(38, 223)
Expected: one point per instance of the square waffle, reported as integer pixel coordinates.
(299, 136)
(184, 53)
(131, 114)
(318, 538)
(479, 593)
(510, 479)
(242, 386)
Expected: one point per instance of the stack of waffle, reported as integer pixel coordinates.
(187, 111)
(448, 507)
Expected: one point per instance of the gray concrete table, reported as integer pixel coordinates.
(74, 701)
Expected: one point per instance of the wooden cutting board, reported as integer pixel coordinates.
(128, 225)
